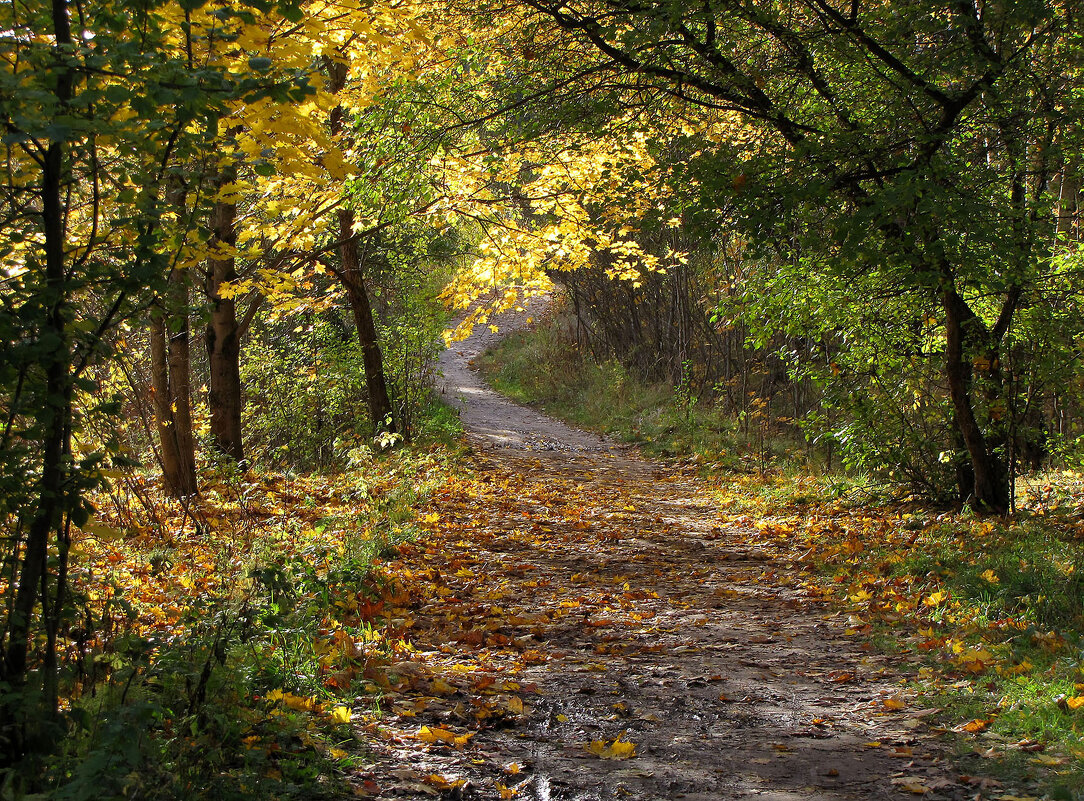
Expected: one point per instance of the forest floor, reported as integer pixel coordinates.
(585, 624)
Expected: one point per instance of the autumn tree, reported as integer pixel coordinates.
(86, 245)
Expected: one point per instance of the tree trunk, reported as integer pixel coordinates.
(180, 388)
(223, 335)
(380, 407)
(352, 278)
(170, 369)
(990, 491)
(163, 407)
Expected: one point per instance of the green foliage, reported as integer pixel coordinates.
(305, 387)
(542, 366)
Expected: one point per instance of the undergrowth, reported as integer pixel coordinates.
(542, 367)
(220, 645)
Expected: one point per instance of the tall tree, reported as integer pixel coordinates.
(224, 329)
(351, 273)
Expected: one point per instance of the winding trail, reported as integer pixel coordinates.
(575, 595)
(490, 420)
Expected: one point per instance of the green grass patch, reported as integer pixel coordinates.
(542, 367)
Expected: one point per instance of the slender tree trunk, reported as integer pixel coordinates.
(170, 370)
(223, 335)
(990, 492)
(380, 407)
(163, 407)
(1068, 208)
(352, 277)
(180, 386)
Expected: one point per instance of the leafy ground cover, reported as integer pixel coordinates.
(990, 611)
(216, 641)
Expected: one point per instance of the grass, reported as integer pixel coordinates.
(541, 367)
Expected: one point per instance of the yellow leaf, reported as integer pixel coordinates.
(596, 747)
(341, 714)
(442, 782)
(1075, 702)
(1049, 761)
(894, 703)
(990, 576)
(441, 687)
(935, 599)
(618, 749)
(912, 786)
(436, 735)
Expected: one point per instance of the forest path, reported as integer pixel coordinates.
(586, 628)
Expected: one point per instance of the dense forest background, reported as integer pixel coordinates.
(842, 236)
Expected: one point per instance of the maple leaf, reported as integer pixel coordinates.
(341, 714)
(617, 749)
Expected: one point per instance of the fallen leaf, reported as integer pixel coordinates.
(442, 782)
(441, 687)
(435, 735)
(341, 714)
(618, 749)
(1048, 760)
(911, 784)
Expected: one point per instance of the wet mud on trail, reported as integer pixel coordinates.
(587, 628)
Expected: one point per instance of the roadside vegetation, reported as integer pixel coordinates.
(987, 613)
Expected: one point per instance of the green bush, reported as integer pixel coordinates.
(305, 393)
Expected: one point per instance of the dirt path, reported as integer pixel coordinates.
(586, 628)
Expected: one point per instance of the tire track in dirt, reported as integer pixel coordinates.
(585, 595)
